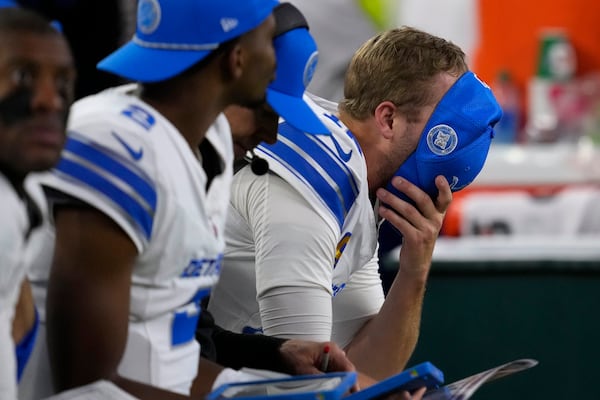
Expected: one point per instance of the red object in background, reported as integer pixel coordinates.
(453, 222)
(510, 33)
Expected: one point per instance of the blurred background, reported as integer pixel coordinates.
(516, 272)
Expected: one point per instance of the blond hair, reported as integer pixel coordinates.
(398, 65)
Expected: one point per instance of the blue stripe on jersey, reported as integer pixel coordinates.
(339, 195)
(139, 203)
(331, 161)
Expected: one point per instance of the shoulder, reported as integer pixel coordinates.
(109, 160)
(114, 126)
(112, 109)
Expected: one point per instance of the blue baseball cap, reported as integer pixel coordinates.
(297, 58)
(456, 139)
(173, 35)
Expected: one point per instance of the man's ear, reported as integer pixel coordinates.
(233, 62)
(386, 117)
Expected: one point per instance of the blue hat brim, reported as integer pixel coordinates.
(296, 112)
(143, 64)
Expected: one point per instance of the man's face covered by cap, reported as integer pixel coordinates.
(456, 139)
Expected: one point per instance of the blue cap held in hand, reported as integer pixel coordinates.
(173, 35)
(456, 139)
(297, 57)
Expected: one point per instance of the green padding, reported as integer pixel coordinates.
(474, 320)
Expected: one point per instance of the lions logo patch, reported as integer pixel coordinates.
(442, 140)
(148, 13)
(309, 68)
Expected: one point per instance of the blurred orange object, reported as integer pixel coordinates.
(510, 34)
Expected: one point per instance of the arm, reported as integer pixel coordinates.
(295, 249)
(385, 343)
(238, 350)
(88, 301)
(295, 357)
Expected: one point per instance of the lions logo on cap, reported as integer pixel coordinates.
(442, 140)
(148, 15)
(309, 68)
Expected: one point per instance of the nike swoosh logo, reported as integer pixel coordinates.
(135, 154)
(344, 156)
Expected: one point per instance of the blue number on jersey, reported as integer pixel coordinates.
(140, 116)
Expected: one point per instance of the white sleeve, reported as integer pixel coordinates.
(295, 249)
(360, 301)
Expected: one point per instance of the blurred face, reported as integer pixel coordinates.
(37, 78)
(251, 126)
(258, 57)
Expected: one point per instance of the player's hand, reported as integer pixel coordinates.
(305, 357)
(419, 224)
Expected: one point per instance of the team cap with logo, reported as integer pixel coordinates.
(173, 35)
(456, 139)
(297, 58)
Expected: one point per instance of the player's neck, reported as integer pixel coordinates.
(368, 138)
(192, 115)
(363, 130)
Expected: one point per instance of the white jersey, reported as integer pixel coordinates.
(36, 381)
(125, 159)
(15, 224)
(299, 236)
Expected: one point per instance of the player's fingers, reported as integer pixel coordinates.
(444, 197)
(400, 213)
(423, 202)
(338, 361)
(394, 218)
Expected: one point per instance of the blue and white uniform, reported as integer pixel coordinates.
(126, 160)
(300, 260)
(15, 225)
